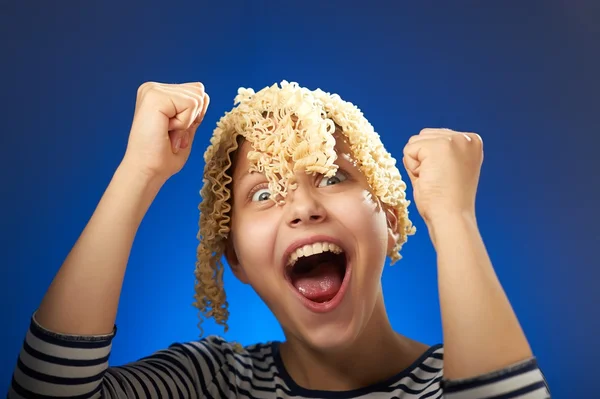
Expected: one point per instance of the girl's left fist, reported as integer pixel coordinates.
(444, 166)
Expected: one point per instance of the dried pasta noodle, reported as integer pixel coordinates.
(290, 129)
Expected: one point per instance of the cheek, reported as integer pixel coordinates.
(364, 219)
(254, 241)
(366, 216)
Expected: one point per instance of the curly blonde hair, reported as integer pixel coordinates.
(290, 129)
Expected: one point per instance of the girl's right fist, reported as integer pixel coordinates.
(164, 124)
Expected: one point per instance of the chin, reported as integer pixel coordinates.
(331, 337)
(331, 327)
(321, 307)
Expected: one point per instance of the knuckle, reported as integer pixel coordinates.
(474, 138)
(461, 138)
(199, 85)
(194, 87)
(147, 91)
(194, 102)
(144, 87)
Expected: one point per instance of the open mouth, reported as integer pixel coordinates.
(317, 271)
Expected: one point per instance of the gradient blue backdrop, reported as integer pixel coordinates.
(522, 74)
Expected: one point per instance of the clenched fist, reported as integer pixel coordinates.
(164, 123)
(444, 167)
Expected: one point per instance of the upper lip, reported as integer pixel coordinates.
(309, 240)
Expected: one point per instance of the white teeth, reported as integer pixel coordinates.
(313, 249)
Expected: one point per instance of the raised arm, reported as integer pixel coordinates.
(485, 349)
(75, 321)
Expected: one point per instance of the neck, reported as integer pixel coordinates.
(377, 354)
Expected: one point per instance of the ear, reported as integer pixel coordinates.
(234, 263)
(392, 225)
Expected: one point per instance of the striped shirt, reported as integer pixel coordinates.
(54, 365)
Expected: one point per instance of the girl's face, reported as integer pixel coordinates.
(323, 300)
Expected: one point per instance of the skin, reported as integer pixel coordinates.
(317, 344)
(357, 346)
(481, 331)
(84, 295)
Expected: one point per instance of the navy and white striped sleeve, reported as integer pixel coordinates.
(523, 380)
(54, 365)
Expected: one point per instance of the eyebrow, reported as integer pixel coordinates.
(242, 179)
(245, 176)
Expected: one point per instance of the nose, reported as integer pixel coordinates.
(303, 207)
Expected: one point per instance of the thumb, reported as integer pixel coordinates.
(187, 136)
(409, 165)
(412, 160)
(200, 118)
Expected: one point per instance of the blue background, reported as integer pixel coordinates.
(522, 74)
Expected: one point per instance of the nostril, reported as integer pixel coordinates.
(310, 219)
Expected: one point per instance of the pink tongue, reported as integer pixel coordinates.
(320, 284)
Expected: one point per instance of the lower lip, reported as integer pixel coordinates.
(324, 307)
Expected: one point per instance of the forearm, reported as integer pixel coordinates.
(84, 296)
(481, 330)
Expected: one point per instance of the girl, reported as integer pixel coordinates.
(304, 202)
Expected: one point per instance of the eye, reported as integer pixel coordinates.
(335, 179)
(262, 194)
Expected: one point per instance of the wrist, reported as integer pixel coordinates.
(446, 224)
(138, 180)
(131, 170)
